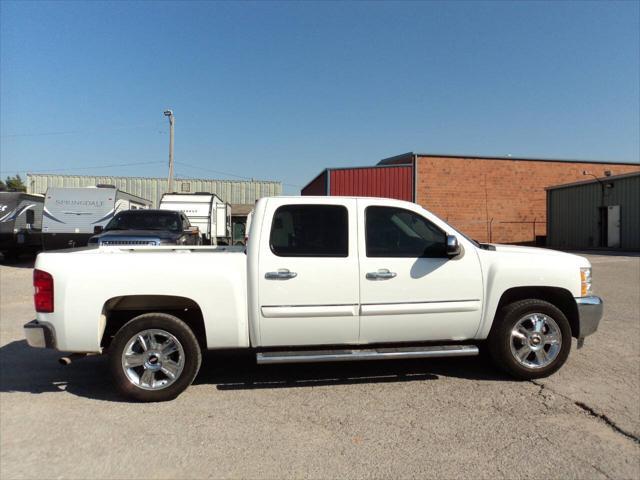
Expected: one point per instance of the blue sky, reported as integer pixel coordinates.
(282, 90)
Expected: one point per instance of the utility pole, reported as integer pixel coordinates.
(169, 113)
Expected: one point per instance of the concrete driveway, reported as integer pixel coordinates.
(453, 418)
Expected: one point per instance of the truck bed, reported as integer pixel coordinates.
(215, 278)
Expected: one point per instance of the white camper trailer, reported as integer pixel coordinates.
(20, 223)
(205, 211)
(71, 214)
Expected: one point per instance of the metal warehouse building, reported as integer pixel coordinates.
(602, 213)
(494, 199)
(231, 191)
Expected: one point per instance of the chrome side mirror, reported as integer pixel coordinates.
(453, 247)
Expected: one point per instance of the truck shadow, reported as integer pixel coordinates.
(37, 371)
(240, 372)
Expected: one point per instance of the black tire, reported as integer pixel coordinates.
(499, 341)
(160, 321)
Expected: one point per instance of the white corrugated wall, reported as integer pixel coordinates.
(231, 191)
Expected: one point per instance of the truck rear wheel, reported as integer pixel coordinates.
(531, 339)
(154, 357)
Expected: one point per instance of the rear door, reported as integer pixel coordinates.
(308, 273)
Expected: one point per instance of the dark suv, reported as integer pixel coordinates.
(147, 227)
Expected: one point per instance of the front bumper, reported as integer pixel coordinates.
(590, 310)
(40, 334)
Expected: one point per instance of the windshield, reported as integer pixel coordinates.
(145, 220)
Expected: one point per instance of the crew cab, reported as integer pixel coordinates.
(147, 227)
(323, 279)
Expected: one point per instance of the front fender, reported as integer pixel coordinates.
(503, 272)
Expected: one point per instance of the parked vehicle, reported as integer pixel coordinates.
(323, 279)
(147, 227)
(70, 214)
(20, 223)
(205, 211)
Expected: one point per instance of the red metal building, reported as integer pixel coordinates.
(388, 181)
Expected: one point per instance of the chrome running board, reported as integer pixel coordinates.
(309, 356)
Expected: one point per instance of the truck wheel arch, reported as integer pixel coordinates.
(559, 297)
(117, 311)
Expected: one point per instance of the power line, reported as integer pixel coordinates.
(180, 175)
(215, 171)
(28, 170)
(76, 132)
(229, 174)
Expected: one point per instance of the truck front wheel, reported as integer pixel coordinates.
(531, 339)
(154, 357)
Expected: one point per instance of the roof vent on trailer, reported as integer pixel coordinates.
(105, 185)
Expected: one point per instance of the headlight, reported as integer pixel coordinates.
(585, 281)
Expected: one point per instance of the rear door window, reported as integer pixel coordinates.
(310, 231)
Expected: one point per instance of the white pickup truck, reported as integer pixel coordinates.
(323, 279)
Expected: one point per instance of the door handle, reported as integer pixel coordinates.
(382, 274)
(281, 274)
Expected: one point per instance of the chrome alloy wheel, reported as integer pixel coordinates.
(153, 359)
(535, 340)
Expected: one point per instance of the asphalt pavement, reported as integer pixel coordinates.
(448, 418)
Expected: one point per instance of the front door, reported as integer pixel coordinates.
(308, 273)
(409, 289)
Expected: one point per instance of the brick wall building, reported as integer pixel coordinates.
(497, 199)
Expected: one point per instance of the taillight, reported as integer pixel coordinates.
(43, 294)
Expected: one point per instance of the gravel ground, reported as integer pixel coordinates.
(454, 418)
